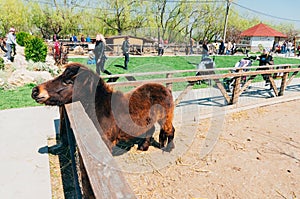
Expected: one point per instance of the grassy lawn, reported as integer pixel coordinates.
(21, 97)
(16, 98)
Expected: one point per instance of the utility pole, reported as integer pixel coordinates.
(226, 19)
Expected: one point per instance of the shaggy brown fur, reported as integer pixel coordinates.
(117, 116)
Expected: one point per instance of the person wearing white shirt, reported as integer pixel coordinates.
(289, 48)
(10, 43)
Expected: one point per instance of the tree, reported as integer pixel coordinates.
(237, 24)
(171, 19)
(56, 18)
(13, 16)
(287, 29)
(176, 21)
(121, 15)
(210, 22)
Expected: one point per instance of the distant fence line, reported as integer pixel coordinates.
(115, 49)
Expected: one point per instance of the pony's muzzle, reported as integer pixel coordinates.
(39, 95)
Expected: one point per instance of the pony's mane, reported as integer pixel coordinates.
(76, 64)
(82, 68)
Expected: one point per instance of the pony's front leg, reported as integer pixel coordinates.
(162, 138)
(165, 136)
(144, 145)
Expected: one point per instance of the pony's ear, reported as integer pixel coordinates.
(70, 72)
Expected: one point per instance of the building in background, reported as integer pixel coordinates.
(261, 35)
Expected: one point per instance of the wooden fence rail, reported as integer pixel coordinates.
(217, 75)
(94, 171)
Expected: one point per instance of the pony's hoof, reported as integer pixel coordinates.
(143, 148)
(56, 149)
(169, 147)
(162, 144)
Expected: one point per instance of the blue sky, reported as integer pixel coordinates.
(282, 9)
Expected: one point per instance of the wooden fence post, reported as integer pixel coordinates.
(283, 83)
(105, 177)
(72, 148)
(169, 85)
(62, 127)
(236, 90)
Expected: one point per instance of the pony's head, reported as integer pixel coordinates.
(77, 82)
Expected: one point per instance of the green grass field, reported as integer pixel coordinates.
(16, 98)
(21, 97)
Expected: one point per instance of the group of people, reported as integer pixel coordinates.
(284, 47)
(100, 57)
(228, 49)
(60, 53)
(99, 50)
(82, 39)
(218, 48)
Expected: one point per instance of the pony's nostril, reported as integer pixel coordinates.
(35, 92)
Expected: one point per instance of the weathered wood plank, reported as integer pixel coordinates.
(203, 77)
(104, 174)
(62, 125)
(245, 86)
(169, 85)
(194, 71)
(223, 91)
(283, 83)
(183, 93)
(292, 77)
(273, 85)
(130, 78)
(236, 91)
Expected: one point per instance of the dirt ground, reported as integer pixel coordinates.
(257, 156)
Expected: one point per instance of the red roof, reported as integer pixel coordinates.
(262, 30)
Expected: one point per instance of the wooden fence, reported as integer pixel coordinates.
(95, 173)
(135, 49)
(217, 75)
(92, 177)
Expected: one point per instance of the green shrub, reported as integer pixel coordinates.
(22, 38)
(1, 63)
(35, 49)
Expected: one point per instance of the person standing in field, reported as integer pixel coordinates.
(205, 50)
(125, 50)
(100, 55)
(11, 44)
(221, 48)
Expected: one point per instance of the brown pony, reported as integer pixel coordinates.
(118, 117)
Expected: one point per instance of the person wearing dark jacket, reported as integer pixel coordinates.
(125, 50)
(221, 48)
(204, 49)
(100, 55)
(265, 59)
